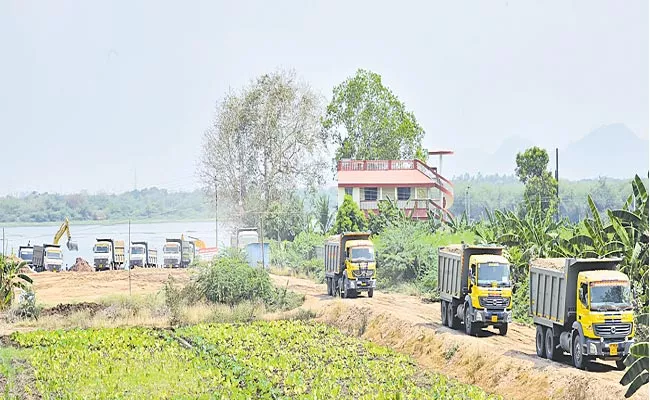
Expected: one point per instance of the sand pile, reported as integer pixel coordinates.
(82, 265)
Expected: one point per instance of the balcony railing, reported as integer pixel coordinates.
(401, 204)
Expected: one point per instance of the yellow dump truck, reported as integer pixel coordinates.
(350, 266)
(475, 288)
(583, 307)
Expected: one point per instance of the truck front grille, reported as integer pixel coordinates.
(495, 302)
(170, 261)
(613, 330)
(363, 273)
(101, 261)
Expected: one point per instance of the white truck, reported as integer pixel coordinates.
(142, 255)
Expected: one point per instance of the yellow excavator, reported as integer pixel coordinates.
(65, 228)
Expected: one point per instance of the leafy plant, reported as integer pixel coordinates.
(349, 217)
(636, 374)
(10, 280)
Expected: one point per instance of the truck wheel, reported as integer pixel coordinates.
(620, 364)
(503, 329)
(329, 286)
(371, 292)
(539, 341)
(450, 315)
(344, 292)
(470, 327)
(551, 342)
(443, 312)
(576, 352)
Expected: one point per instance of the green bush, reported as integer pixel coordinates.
(231, 281)
(300, 255)
(521, 302)
(408, 252)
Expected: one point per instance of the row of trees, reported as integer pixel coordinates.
(144, 204)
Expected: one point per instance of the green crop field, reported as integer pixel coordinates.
(283, 359)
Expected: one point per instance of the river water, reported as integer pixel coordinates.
(85, 236)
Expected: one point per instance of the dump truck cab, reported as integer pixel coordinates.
(604, 311)
(26, 253)
(490, 289)
(103, 254)
(172, 253)
(350, 265)
(138, 254)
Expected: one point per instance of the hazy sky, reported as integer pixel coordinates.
(91, 92)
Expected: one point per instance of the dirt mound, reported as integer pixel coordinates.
(67, 309)
(82, 265)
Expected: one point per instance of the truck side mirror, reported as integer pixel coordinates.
(581, 295)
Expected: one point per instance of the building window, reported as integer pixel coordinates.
(422, 193)
(388, 193)
(403, 193)
(370, 194)
(348, 191)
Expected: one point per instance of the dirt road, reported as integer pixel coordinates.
(506, 365)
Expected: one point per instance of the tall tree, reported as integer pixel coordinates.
(367, 121)
(265, 138)
(349, 217)
(540, 185)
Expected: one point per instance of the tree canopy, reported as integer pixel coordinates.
(265, 138)
(349, 217)
(366, 120)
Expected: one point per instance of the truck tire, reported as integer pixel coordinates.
(503, 329)
(450, 315)
(371, 292)
(620, 364)
(344, 292)
(539, 341)
(579, 360)
(443, 312)
(550, 343)
(329, 286)
(470, 327)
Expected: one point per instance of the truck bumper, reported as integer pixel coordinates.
(607, 348)
(488, 317)
(360, 284)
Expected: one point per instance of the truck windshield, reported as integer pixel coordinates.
(101, 248)
(170, 248)
(137, 250)
(611, 296)
(493, 272)
(26, 255)
(55, 255)
(362, 254)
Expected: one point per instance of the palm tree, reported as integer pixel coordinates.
(10, 280)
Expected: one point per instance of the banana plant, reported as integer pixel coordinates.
(636, 374)
(11, 279)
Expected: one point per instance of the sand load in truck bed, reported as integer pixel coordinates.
(82, 265)
(550, 263)
(453, 248)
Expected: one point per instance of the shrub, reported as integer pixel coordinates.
(231, 281)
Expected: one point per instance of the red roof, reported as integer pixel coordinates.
(404, 177)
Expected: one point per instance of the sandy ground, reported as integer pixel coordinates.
(69, 287)
(504, 365)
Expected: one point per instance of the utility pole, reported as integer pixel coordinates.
(468, 204)
(262, 238)
(3, 242)
(557, 182)
(128, 265)
(216, 216)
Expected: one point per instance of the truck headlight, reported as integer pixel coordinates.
(479, 316)
(592, 348)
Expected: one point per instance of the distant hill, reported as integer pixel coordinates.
(611, 151)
